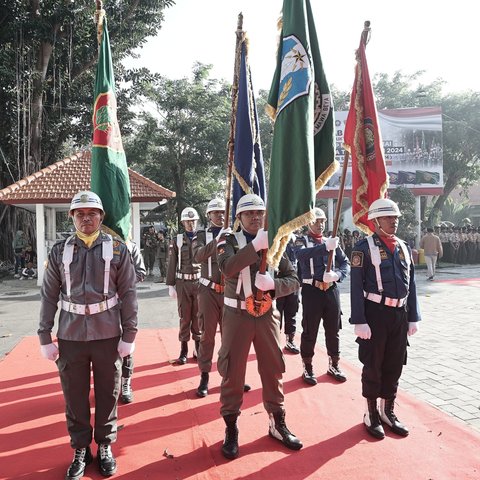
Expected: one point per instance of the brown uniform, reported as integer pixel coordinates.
(210, 297)
(240, 330)
(185, 278)
(89, 341)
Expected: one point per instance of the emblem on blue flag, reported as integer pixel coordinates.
(296, 73)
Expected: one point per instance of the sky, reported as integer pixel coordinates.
(436, 36)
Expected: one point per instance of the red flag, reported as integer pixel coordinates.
(363, 140)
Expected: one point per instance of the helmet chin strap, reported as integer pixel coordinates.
(389, 235)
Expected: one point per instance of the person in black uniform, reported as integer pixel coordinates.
(385, 312)
(320, 296)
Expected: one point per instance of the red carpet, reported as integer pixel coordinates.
(467, 282)
(167, 417)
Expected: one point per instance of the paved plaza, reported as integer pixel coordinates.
(443, 359)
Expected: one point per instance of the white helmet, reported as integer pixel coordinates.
(383, 207)
(217, 204)
(319, 213)
(250, 201)
(86, 200)
(189, 213)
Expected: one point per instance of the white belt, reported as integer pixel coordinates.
(90, 309)
(389, 302)
(234, 303)
(217, 287)
(188, 276)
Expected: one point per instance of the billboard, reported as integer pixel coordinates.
(413, 150)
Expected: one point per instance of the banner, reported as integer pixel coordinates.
(248, 168)
(303, 146)
(363, 140)
(109, 177)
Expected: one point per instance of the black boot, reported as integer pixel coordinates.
(230, 445)
(278, 429)
(371, 419)
(246, 387)
(202, 390)
(81, 458)
(334, 369)
(182, 358)
(308, 375)
(106, 461)
(196, 349)
(290, 345)
(387, 416)
(127, 393)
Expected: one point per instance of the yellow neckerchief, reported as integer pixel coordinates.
(88, 239)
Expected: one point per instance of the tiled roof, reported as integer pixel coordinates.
(59, 182)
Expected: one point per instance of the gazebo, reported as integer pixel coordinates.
(50, 190)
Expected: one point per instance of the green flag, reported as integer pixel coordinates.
(109, 179)
(303, 148)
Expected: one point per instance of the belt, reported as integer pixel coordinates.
(389, 302)
(318, 284)
(188, 276)
(217, 287)
(91, 308)
(234, 303)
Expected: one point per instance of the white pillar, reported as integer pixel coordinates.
(41, 244)
(136, 223)
(418, 228)
(330, 214)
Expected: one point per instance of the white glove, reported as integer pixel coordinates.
(260, 242)
(412, 328)
(223, 232)
(172, 291)
(362, 330)
(331, 276)
(331, 243)
(264, 282)
(49, 351)
(124, 349)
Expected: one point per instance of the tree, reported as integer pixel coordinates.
(184, 145)
(48, 51)
(405, 200)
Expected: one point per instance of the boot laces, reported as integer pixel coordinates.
(105, 451)
(79, 455)
(308, 369)
(126, 386)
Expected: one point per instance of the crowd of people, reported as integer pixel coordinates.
(219, 280)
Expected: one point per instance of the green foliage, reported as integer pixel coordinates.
(406, 202)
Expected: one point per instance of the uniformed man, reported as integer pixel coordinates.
(92, 275)
(162, 251)
(126, 395)
(320, 296)
(210, 291)
(384, 311)
(246, 322)
(182, 280)
(150, 243)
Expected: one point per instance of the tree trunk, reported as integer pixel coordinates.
(450, 185)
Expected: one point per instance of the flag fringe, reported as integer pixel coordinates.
(282, 237)
(326, 175)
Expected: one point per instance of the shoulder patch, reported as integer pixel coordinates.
(357, 259)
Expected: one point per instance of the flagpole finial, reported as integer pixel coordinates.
(366, 32)
(240, 22)
(99, 16)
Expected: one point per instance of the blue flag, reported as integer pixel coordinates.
(248, 168)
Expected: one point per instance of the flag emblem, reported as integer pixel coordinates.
(106, 132)
(296, 72)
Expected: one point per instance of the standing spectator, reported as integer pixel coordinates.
(150, 242)
(93, 277)
(433, 249)
(182, 280)
(162, 251)
(19, 245)
(385, 311)
(239, 261)
(320, 296)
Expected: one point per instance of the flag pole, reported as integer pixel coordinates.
(99, 16)
(231, 141)
(338, 210)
